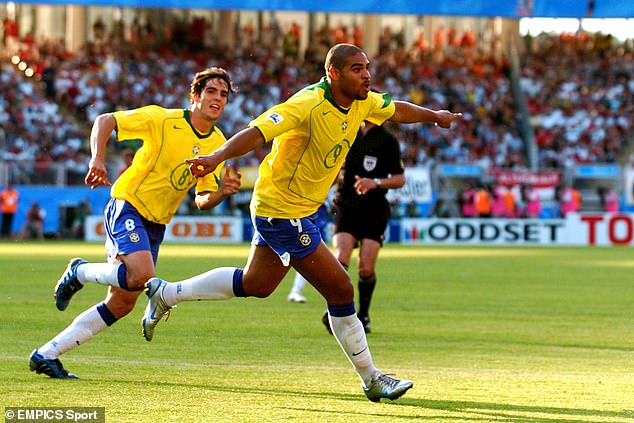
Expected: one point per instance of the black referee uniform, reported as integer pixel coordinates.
(373, 155)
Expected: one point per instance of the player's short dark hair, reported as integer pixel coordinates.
(338, 54)
(200, 80)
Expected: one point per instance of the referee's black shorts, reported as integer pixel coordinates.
(362, 221)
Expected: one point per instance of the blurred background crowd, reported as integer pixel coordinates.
(569, 102)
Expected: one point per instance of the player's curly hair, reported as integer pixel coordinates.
(201, 78)
(338, 54)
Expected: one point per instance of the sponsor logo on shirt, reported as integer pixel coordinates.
(275, 118)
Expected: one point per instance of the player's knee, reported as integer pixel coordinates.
(258, 291)
(344, 291)
(136, 281)
(366, 268)
(365, 271)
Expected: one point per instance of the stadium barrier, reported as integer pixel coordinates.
(183, 229)
(574, 230)
(586, 229)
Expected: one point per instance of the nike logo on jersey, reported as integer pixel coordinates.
(325, 113)
(177, 127)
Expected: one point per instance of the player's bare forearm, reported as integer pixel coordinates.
(412, 113)
(208, 200)
(238, 145)
(100, 134)
(229, 186)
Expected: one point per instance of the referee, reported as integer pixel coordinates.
(361, 211)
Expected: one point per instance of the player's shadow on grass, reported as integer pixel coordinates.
(485, 411)
(465, 410)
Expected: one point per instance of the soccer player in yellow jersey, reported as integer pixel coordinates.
(144, 199)
(311, 132)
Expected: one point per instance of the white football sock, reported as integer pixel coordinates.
(351, 336)
(84, 327)
(298, 284)
(216, 284)
(101, 273)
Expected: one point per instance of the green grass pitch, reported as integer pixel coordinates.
(488, 334)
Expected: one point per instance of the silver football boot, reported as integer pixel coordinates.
(384, 386)
(156, 307)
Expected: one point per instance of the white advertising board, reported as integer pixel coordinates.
(183, 229)
(575, 229)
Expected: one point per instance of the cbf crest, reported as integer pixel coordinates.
(305, 240)
(369, 163)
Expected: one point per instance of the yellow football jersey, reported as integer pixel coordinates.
(159, 179)
(311, 137)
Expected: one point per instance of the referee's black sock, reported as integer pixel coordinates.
(366, 288)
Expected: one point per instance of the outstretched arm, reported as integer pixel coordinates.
(239, 144)
(411, 113)
(100, 134)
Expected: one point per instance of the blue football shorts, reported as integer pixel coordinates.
(295, 238)
(321, 219)
(127, 231)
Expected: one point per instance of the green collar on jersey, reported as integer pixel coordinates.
(323, 84)
(187, 115)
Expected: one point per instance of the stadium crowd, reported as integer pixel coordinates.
(584, 116)
(580, 91)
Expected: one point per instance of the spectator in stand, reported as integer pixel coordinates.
(9, 204)
(11, 35)
(608, 199)
(498, 206)
(509, 204)
(611, 201)
(79, 220)
(482, 201)
(570, 201)
(412, 209)
(34, 226)
(532, 201)
(440, 210)
(467, 201)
